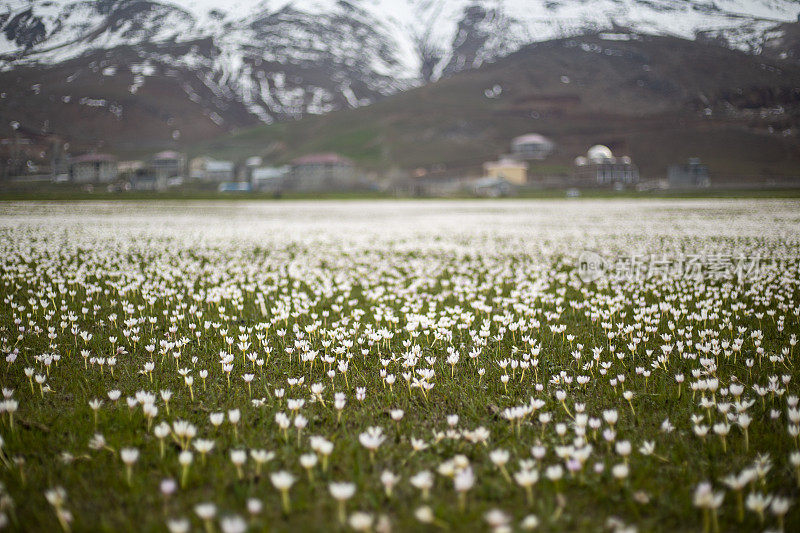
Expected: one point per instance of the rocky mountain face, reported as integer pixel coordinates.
(185, 69)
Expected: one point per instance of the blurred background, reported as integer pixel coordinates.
(283, 98)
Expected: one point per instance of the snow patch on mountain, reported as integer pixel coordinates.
(286, 58)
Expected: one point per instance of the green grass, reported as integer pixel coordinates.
(94, 282)
(69, 192)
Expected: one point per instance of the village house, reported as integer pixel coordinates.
(130, 168)
(168, 164)
(600, 168)
(324, 171)
(511, 170)
(271, 179)
(93, 168)
(205, 168)
(250, 164)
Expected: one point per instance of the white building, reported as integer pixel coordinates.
(531, 146)
(601, 167)
(205, 168)
(269, 178)
(93, 168)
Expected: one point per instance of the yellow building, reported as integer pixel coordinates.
(512, 171)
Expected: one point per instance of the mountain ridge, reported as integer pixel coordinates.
(283, 59)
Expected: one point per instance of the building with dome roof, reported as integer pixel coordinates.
(531, 146)
(513, 167)
(599, 153)
(599, 167)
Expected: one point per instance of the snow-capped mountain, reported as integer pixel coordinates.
(282, 59)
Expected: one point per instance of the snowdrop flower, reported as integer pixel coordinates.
(166, 395)
(361, 521)
(701, 430)
(722, 430)
(779, 507)
(323, 448)
(168, 487)
(161, 431)
(709, 501)
(647, 448)
(422, 481)
(300, 423)
(238, 458)
(98, 442)
(178, 525)
(217, 419)
(283, 481)
(610, 416)
(554, 473)
(308, 461)
(623, 448)
(530, 522)
(233, 524)
(254, 506)
(342, 492)
(283, 422)
(234, 415)
(620, 471)
(95, 404)
(206, 512)
(371, 439)
(497, 519)
(500, 457)
(185, 460)
(56, 497)
(339, 402)
(183, 432)
(260, 458)
(538, 452)
(758, 503)
(418, 445)
(389, 480)
(424, 514)
(628, 395)
(129, 457)
(203, 447)
(527, 478)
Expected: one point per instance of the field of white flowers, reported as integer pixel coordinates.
(409, 366)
